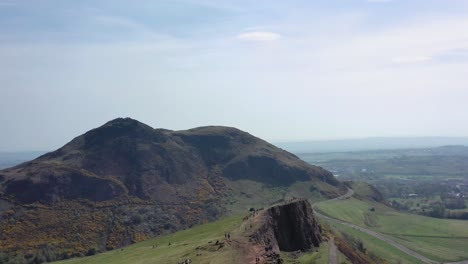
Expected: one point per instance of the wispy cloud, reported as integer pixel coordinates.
(127, 25)
(259, 36)
(411, 59)
(356, 64)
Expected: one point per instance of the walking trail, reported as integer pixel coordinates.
(332, 251)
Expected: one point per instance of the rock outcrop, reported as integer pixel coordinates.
(289, 227)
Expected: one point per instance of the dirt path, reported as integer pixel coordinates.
(332, 251)
(250, 251)
(379, 235)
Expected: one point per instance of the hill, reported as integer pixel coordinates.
(125, 182)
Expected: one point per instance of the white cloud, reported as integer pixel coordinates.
(411, 59)
(417, 41)
(259, 36)
(344, 77)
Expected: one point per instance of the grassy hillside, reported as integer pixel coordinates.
(376, 246)
(246, 194)
(183, 246)
(202, 240)
(439, 239)
(198, 244)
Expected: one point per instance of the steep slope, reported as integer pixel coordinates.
(288, 227)
(125, 181)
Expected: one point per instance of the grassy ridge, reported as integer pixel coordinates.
(183, 245)
(440, 239)
(247, 194)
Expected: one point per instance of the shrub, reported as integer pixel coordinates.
(137, 219)
(91, 252)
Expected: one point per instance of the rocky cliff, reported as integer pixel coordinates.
(289, 227)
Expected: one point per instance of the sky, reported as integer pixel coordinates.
(280, 70)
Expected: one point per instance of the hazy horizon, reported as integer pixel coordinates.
(282, 71)
(327, 145)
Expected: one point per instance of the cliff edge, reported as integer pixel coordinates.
(288, 227)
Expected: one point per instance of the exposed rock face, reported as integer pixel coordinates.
(289, 227)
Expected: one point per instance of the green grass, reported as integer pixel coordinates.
(183, 245)
(342, 259)
(421, 177)
(389, 253)
(439, 239)
(248, 193)
(321, 256)
(316, 257)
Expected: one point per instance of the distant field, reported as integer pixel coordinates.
(425, 163)
(439, 239)
(389, 253)
(421, 177)
(358, 155)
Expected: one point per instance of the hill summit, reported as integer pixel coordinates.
(126, 181)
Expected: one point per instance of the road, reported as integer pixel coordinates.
(380, 236)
